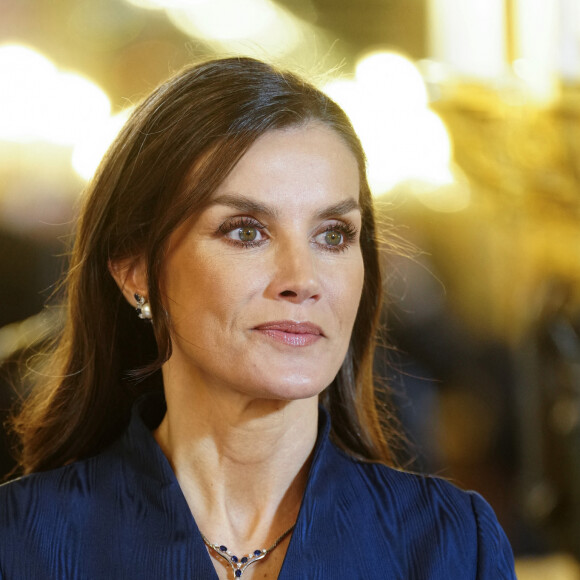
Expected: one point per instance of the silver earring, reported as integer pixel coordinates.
(143, 307)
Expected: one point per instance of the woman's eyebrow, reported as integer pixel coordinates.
(244, 204)
(247, 205)
(341, 208)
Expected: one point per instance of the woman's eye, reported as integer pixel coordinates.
(337, 237)
(333, 238)
(242, 233)
(248, 234)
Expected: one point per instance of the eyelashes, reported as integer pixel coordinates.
(347, 236)
(247, 232)
(248, 229)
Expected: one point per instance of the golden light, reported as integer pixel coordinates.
(77, 107)
(469, 36)
(404, 140)
(251, 26)
(537, 44)
(381, 72)
(89, 150)
(260, 28)
(40, 103)
(163, 4)
(23, 72)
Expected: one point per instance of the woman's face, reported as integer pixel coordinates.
(262, 287)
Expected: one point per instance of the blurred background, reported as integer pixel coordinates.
(469, 112)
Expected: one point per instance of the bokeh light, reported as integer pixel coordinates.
(253, 27)
(89, 150)
(40, 103)
(404, 140)
(469, 36)
(163, 4)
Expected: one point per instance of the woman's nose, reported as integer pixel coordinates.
(295, 277)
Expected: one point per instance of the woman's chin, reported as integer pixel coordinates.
(294, 387)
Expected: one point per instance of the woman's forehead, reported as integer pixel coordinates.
(311, 161)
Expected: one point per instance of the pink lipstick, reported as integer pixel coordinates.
(291, 333)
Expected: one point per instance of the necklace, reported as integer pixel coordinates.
(239, 565)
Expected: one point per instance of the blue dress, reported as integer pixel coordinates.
(122, 515)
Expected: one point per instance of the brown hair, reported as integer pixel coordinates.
(204, 118)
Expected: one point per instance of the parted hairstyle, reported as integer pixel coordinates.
(174, 151)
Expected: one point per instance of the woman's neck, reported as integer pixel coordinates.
(242, 464)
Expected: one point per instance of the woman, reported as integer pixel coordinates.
(226, 265)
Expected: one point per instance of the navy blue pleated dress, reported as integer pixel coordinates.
(122, 515)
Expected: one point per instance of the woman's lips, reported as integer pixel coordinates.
(291, 333)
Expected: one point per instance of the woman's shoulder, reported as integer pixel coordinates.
(128, 457)
(50, 480)
(410, 492)
(437, 496)
(420, 489)
(427, 511)
(75, 480)
(70, 492)
(383, 478)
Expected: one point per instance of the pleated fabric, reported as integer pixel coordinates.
(122, 515)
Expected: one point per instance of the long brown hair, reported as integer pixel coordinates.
(176, 148)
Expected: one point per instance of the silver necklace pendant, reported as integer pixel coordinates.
(240, 565)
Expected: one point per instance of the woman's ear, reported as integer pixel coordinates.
(131, 277)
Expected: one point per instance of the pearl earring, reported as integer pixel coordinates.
(143, 307)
